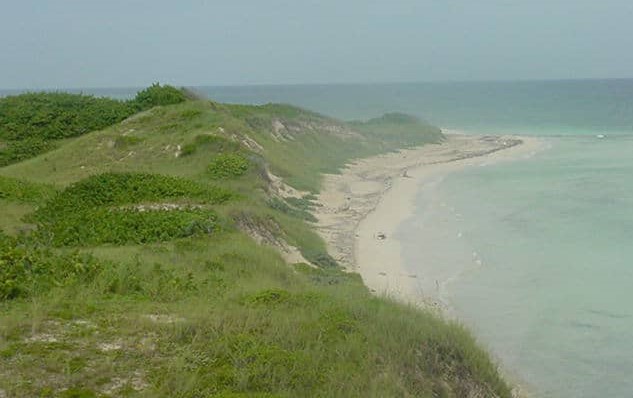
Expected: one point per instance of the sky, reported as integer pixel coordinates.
(122, 43)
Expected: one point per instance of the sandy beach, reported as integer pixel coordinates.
(363, 206)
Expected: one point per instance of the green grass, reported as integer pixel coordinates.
(228, 165)
(26, 270)
(13, 217)
(125, 226)
(15, 190)
(110, 189)
(236, 319)
(105, 293)
(34, 123)
(122, 208)
(18, 198)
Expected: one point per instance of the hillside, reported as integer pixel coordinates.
(34, 123)
(172, 254)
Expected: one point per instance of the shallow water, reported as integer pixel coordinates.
(538, 261)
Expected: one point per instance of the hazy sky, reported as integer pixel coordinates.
(102, 43)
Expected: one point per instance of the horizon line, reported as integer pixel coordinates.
(365, 83)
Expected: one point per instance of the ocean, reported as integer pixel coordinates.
(540, 262)
(538, 250)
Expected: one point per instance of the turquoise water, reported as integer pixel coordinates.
(550, 294)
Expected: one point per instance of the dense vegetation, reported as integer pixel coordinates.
(32, 123)
(128, 267)
(13, 189)
(157, 95)
(110, 189)
(228, 165)
(25, 270)
(91, 211)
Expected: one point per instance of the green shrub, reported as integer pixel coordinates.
(269, 297)
(92, 211)
(125, 226)
(19, 150)
(157, 95)
(47, 116)
(17, 190)
(26, 270)
(111, 189)
(228, 165)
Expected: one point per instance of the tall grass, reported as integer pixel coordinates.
(236, 320)
(206, 314)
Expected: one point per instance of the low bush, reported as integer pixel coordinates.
(48, 116)
(99, 210)
(13, 189)
(269, 297)
(228, 165)
(125, 226)
(110, 189)
(17, 150)
(157, 95)
(25, 271)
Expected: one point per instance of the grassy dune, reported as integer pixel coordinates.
(198, 308)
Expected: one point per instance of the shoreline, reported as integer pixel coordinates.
(363, 206)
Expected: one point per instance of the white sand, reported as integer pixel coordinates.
(364, 205)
